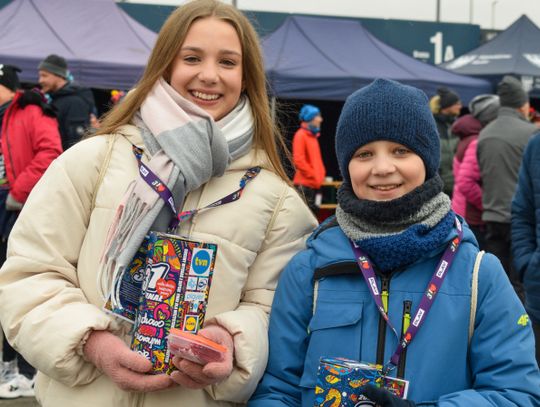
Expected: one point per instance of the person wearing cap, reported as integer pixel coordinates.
(446, 106)
(29, 141)
(500, 149)
(394, 238)
(467, 194)
(307, 158)
(73, 104)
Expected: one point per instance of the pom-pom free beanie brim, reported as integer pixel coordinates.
(9, 77)
(308, 113)
(447, 97)
(485, 108)
(511, 92)
(388, 110)
(54, 64)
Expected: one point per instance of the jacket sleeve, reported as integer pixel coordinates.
(43, 311)
(468, 179)
(248, 324)
(301, 157)
(523, 213)
(46, 146)
(501, 354)
(288, 335)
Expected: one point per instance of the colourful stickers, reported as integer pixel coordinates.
(338, 380)
(174, 294)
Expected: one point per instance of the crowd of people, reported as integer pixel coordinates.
(429, 269)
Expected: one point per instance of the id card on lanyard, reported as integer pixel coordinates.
(426, 301)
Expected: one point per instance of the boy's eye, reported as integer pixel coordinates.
(362, 154)
(402, 151)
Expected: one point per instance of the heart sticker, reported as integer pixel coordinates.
(165, 288)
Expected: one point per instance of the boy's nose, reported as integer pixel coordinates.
(383, 165)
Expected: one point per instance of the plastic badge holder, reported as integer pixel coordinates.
(194, 347)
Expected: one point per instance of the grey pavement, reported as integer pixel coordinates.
(20, 402)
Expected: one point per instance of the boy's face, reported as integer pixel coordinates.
(385, 170)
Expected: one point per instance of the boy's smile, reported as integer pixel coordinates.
(385, 170)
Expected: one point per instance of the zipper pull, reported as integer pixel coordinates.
(406, 316)
(381, 337)
(405, 322)
(385, 285)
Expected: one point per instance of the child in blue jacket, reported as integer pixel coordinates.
(396, 252)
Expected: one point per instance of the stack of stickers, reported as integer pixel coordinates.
(339, 379)
(165, 287)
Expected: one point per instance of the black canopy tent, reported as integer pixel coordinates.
(329, 58)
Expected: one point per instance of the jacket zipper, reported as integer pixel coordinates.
(385, 286)
(405, 322)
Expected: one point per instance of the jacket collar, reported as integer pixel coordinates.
(511, 112)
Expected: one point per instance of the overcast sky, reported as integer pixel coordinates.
(497, 14)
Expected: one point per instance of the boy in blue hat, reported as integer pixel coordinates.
(397, 279)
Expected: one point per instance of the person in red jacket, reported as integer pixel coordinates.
(30, 141)
(307, 159)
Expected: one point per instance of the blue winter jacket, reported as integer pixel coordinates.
(526, 227)
(498, 368)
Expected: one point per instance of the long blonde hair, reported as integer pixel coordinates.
(171, 37)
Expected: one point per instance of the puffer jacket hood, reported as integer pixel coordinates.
(466, 126)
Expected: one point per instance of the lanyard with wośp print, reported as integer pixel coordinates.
(165, 193)
(427, 299)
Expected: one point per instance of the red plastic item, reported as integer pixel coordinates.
(194, 347)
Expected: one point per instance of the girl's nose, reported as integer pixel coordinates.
(208, 73)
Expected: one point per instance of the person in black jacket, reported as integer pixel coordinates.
(446, 106)
(73, 104)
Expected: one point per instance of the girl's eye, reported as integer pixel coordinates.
(229, 62)
(190, 59)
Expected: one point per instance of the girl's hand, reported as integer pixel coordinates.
(195, 376)
(127, 369)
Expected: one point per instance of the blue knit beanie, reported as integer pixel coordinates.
(308, 113)
(388, 110)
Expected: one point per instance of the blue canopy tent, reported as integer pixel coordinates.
(515, 51)
(329, 58)
(104, 47)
